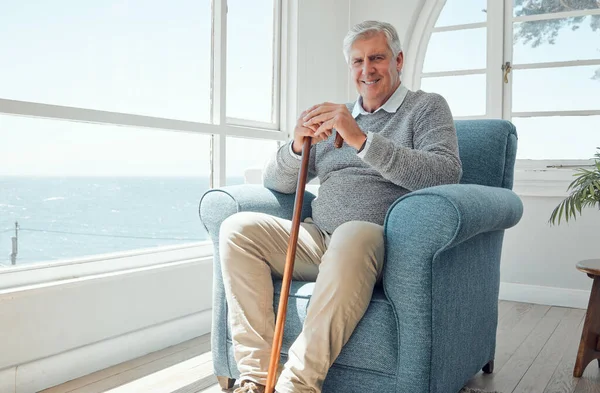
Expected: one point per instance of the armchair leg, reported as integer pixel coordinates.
(226, 383)
(488, 368)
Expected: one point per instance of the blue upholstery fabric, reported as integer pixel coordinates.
(431, 325)
(488, 149)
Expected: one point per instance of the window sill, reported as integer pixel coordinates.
(545, 178)
(79, 268)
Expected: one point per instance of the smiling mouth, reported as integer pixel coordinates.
(371, 82)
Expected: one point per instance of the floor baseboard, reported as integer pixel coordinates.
(550, 296)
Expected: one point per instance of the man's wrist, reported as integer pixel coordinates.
(297, 149)
(360, 143)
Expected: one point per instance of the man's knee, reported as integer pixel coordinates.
(360, 235)
(357, 245)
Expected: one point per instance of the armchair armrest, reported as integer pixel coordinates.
(468, 209)
(218, 204)
(441, 275)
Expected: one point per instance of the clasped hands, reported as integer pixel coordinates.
(319, 121)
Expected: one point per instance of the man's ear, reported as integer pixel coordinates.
(399, 61)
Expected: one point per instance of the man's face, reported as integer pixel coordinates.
(374, 70)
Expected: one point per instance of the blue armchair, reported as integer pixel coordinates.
(431, 324)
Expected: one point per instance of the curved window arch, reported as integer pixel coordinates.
(534, 62)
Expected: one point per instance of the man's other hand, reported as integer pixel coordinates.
(323, 118)
(300, 131)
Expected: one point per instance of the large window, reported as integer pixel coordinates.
(115, 118)
(534, 62)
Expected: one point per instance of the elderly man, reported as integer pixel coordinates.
(396, 141)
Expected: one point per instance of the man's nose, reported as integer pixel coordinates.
(367, 67)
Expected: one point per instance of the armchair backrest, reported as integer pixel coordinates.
(488, 150)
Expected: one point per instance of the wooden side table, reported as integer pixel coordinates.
(589, 346)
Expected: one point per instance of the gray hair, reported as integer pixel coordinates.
(368, 29)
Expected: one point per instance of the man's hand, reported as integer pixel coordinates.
(301, 131)
(327, 116)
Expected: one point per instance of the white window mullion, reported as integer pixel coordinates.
(495, 40)
(553, 15)
(438, 74)
(59, 112)
(462, 27)
(252, 123)
(219, 55)
(219, 90)
(276, 100)
(508, 54)
(288, 109)
(218, 160)
(251, 132)
(578, 113)
(557, 64)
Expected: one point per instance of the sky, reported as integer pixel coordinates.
(152, 58)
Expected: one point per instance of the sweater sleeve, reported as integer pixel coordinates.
(281, 172)
(433, 161)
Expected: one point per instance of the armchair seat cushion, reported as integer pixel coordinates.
(372, 346)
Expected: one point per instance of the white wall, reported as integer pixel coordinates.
(538, 262)
(55, 331)
(322, 70)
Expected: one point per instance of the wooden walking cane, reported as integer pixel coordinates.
(289, 262)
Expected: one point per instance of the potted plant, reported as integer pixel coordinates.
(585, 191)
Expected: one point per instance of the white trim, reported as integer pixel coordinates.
(532, 165)
(557, 113)
(58, 369)
(219, 142)
(58, 112)
(556, 15)
(41, 273)
(508, 55)
(417, 46)
(286, 69)
(494, 75)
(8, 378)
(277, 39)
(466, 26)
(249, 132)
(545, 178)
(556, 64)
(474, 117)
(33, 109)
(551, 296)
(289, 93)
(218, 161)
(438, 74)
(252, 123)
(219, 61)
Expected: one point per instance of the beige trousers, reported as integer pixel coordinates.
(345, 266)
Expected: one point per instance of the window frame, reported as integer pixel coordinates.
(219, 128)
(544, 175)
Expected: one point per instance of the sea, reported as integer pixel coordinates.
(59, 218)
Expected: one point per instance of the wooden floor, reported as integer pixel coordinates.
(535, 353)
